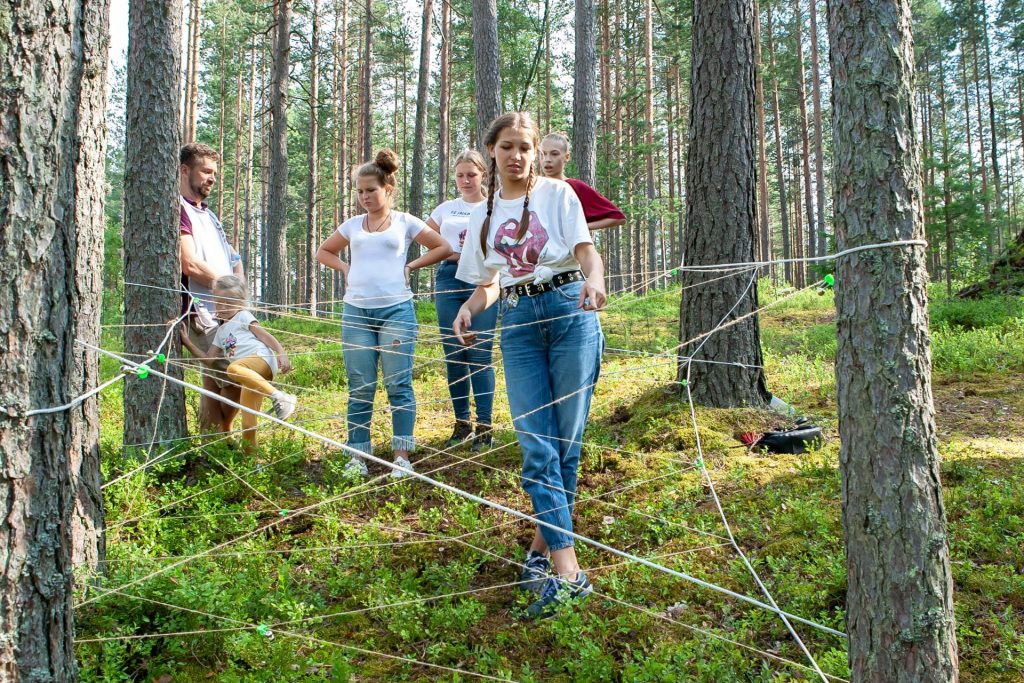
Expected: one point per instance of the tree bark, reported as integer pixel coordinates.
(486, 59)
(721, 204)
(367, 83)
(154, 411)
(443, 116)
(900, 590)
(313, 177)
(419, 135)
(819, 147)
(805, 140)
(651, 209)
(764, 225)
(585, 93)
(51, 224)
(276, 274)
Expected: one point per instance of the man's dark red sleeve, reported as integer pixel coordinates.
(596, 206)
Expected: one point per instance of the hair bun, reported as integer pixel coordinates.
(387, 160)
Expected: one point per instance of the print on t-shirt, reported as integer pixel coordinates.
(462, 238)
(230, 342)
(521, 256)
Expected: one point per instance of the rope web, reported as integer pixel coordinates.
(437, 467)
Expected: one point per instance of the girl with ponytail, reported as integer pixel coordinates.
(379, 322)
(467, 366)
(529, 243)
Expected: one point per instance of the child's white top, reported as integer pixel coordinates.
(376, 278)
(557, 225)
(236, 341)
(453, 218)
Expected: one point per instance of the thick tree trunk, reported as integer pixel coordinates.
(585, 93)
(313, 177)
(487, 70)
(900, 590)
(276, 273)
(721, 203)
(154, 411)
(51, 225)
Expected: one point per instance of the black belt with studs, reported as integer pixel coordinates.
(531, 289)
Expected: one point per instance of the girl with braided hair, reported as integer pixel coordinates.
(467, 366)
(529, 243)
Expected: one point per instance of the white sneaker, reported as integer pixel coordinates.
(284, 404)
(355, 468)
(402, 462)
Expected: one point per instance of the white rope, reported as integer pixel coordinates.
(805, 259)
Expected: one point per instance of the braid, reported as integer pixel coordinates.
(492, 179)
(524, 222)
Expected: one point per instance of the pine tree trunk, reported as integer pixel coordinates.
(779, 163)
(947, 193)
(764, 225)
(193, 79)
(220, 131)
(276, 273)
(804, 139)
(248, 266)
(239, 165)
(967, 111)
(900, 591)
(721, 202)
(487, 67)
(992, 121)
(985, 199)
(51, 219)
(367, 84)
(313, 177)
(819, 147)
(154, 410)
(443, 134)
(419, 135)
(651, 209)
(584, 93)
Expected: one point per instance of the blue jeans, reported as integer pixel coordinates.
(387, 334)
(466, 365)
(550, 371)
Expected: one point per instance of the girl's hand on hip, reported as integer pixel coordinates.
(592, 296)
(284, 364)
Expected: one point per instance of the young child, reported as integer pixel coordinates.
(254, 356)
(598, 210)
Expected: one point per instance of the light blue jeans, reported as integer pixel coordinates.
(551, 352)
(387, 334)
(466, 365)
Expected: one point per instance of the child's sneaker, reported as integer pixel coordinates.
(355, 468)
(284, 404)
(402, 462)
(534, 573)
(558, 591)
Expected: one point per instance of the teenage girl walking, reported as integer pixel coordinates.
(529, 243)
(600, 212)
(467, 366)
(378, 324)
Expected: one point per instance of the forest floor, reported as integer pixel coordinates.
(348, 591)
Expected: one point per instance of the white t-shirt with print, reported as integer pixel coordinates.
(376, 278)
(557, 225)
(236, 341)
(453, 218)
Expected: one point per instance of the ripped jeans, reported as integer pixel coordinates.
(388, 335)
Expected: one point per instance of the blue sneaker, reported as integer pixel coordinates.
(556, 592)
(535, 572)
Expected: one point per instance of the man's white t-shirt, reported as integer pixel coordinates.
(236, 341)
(211, 246)
(557, 225)
(453, 218)
(376, 278)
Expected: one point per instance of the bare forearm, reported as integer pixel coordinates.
(332, 261)
(606, 223)
(482, 298)
(435, 255)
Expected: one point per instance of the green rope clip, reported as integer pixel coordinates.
(284, 512)
(830, 280)
(142, 372)
(675, 271)
(683, 382)
(264, 631)
(161, 358)
(699, 462)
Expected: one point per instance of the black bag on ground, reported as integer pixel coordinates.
(796, 439)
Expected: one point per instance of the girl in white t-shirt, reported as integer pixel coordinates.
(253, 355)
(378, 324)
(467, 366)
(530, 244)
